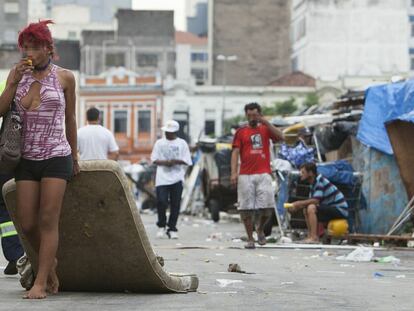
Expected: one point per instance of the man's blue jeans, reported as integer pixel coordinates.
(170, 194)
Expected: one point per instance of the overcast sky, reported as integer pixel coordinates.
(179, 7)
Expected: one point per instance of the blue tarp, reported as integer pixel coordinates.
(337, 172)
(385, 103)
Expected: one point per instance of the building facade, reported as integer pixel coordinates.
(144, 42)
(200, 109)
(130, 107)
(256, 33)
(332, 39)
(197, 22)
(100, 11)
(13, 17)
(191, 61)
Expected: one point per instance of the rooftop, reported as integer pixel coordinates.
(183, 37)
(296, 78)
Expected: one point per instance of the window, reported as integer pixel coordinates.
(147, 60)
(10, 36)
(101, 117)
(210, 123)
(144, 121)
(412, 2)
(210, 127)
(412, 29)
(295, 64)
(300, 29)
(115, 60)
(120, 121)
(412, 63)
(199, 57)
(11, 7)
(200, 75)
(72, 34)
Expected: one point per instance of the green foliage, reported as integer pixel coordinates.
(286, 107)
(232, 121)
(311, 100)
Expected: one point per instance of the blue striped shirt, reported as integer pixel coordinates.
(329, 195)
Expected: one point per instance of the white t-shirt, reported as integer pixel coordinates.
(95, 141)
(165, 149)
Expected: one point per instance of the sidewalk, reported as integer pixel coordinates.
(283, 279)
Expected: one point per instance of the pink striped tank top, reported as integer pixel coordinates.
(43, 128)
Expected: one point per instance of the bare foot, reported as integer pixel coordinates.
(53, 280)
(36, 292)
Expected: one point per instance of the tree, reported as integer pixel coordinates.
(286, 107)
(311, 100)
(228, 123)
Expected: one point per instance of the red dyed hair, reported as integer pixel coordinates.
(36, 33)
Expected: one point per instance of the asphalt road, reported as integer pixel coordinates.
(280, 279)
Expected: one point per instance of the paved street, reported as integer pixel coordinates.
(288, 279)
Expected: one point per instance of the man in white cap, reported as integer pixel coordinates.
(172, 156)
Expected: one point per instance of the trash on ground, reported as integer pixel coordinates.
(361, 254)
(378, 275)
(388, 259)
(229, 283)
(234, 267)
(400, 276)
(287, 283)
(285, 240)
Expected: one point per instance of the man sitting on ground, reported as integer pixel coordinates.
(326, 202)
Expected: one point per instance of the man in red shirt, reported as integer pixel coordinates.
(254, 181)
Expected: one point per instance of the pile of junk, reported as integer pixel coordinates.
(360, 143)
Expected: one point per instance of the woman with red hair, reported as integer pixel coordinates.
(44, 96)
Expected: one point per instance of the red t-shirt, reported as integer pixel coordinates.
(253, 144)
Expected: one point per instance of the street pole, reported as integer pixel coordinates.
(223, 107)
(225, 59)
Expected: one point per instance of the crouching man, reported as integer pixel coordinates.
(325, 201)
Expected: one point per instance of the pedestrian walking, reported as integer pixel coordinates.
(172, 155)
(96, 142)
(254, 181)
(44, 95)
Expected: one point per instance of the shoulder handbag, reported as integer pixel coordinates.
(10, 140)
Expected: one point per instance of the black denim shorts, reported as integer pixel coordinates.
(58, 167)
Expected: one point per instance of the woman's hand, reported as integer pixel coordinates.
(76, 167)
(23, 66)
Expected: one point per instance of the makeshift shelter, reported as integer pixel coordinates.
(391, 104)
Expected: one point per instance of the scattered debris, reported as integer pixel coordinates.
(285, 240)
(361, 254)
(388, 259)
(229, 283)
(400, 276)
(344, 265)
(378, 275)
(234, 267)
(287, 283)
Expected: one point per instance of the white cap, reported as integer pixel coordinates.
(171, 126)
